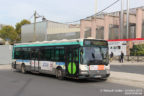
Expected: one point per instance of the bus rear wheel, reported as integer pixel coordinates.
(59, 74)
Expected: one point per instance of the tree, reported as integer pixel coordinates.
(137, 50)
(18, 27)
(8, 33)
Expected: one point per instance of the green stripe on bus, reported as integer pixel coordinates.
(50, 44)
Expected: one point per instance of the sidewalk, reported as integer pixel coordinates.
(4, 66)
(127, 63)
(130, 79)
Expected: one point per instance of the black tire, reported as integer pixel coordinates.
(13, 65)
(23, 69)
(104, 79)
(59, 74)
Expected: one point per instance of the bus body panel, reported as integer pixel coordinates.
(70, 52)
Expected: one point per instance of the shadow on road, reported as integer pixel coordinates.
(66, 79)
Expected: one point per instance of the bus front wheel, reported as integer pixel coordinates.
(23, 69)
(59, 74)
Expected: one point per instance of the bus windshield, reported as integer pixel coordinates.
(94, 55)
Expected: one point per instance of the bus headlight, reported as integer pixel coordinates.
(108, 71)
(83, 67)
(107, 67)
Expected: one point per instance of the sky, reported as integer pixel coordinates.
(13, 11)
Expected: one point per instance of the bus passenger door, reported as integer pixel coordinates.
(34, 61)
(72, 61)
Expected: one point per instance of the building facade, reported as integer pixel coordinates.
(107, 26)
(49, 30)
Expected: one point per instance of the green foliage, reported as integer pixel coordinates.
(137, 50)
(18, 28)
(8, 33)
(13, 34)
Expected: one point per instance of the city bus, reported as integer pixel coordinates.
(77, 58)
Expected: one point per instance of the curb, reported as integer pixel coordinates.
(127, 63)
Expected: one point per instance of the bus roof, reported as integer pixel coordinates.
(53, 43)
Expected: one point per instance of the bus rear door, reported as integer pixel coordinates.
(35, 60)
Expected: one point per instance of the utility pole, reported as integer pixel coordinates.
(46, 38)
(128, 43)
(127, 19)
(34, 35)
(96, 6)
(121, 20)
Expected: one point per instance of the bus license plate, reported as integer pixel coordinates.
(97, 76)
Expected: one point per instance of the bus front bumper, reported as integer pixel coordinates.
(94, 74)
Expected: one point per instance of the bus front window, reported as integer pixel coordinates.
(94, 55)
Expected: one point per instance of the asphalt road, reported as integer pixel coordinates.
(18, 84)
(138, 69)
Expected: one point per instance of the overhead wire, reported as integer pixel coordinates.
(31, 17)
(96, 13)
(87, 16)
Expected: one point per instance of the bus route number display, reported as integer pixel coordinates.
(96, 43)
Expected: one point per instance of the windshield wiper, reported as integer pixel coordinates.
(95, 62)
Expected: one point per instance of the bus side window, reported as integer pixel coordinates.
(56, 54)
(42, 54)
(33, 54)
(77, 54)
(17, 53)
(47, 53)
(81, 55)
(26, 54)
(52, 54)
(61, 55)
(20, 54)
(37, 54)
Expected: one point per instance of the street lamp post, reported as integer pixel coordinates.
(128, 49)
(96, 6)
(121, 21)
(127, 19)
(34, 36)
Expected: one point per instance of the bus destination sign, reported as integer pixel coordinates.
(95, 42)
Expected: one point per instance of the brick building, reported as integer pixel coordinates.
(107, 26)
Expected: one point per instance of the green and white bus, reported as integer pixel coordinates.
(78, 58)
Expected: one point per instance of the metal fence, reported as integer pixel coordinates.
(130, 58)
(5, 54)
